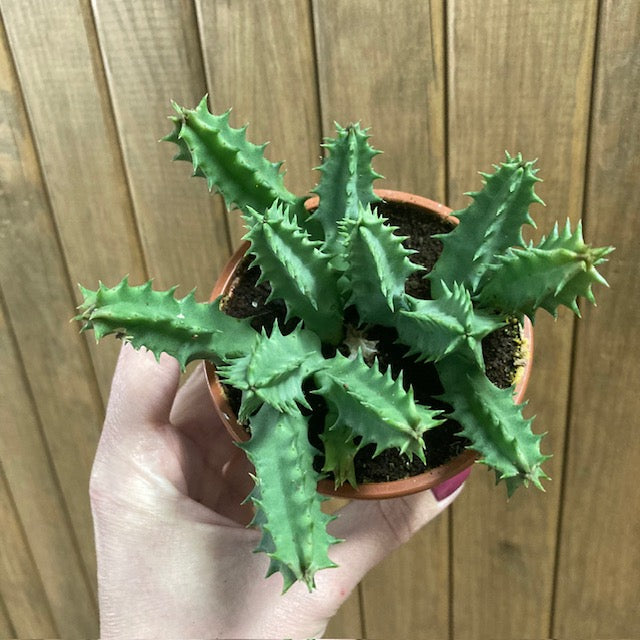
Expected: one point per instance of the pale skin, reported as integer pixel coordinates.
(174, 553)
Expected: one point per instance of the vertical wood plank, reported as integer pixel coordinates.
(407, 595)
(152, 55)
(598, 579)
(347, 622)
(59, 375)
(54, 49)
(519, 79)
(42, 579)
(259, 60)
(382, 64)
(25, 610)
(7, 630)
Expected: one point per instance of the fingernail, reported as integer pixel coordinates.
(446, 488)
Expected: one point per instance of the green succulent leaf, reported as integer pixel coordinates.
(183, 328)
(233, 166)
(340, 449)
(374, 406)
(346, 183)
(288, 507)
(433, 329)
(556, 272)
(493, 423)
(377, 267)
(489, 226)
(297, 270)
(274, 370)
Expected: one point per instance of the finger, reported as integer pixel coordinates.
(224, 480)
(194, 415)
(228, 493)
(371, 529)
(139, 458)
(446, 488)
(143, 389)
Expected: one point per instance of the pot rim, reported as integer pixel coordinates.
(370, 490)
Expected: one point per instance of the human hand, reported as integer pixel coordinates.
(174, 553)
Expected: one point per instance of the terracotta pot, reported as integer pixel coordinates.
(373, 490)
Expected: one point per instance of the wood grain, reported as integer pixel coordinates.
(407, 595)
(518, 79)
(347, 622)
(25, 605)
(54, 50)
(182, 228)
(382, 64)
(598, 579)
(53, 356)
(42, 581)
(7, 630)
(259, 60)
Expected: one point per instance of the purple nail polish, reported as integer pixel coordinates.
(446, 488)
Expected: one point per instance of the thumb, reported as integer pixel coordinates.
(143, 389)
(371, 529)
(136, 455)
(142, 393)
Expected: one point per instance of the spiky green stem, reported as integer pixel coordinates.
(346, 184)
(231, 164)
(288, 507)
(274, 371)
(433, 329)
(493, 423)
(374, 405)
(377, 267)
(488, 227)
(185, 329)
(556, 272)
(297, 270)
(340, 449)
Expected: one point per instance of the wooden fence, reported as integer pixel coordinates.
(87, 193)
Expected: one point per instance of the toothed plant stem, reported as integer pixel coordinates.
(374, 406)
(488, 227)
(559, 270)
(233, 166)
(450, 324)
(288, 507)
(493, 423)
(343, 261)
(377, 267)
(185, 329)
(345, 186)
(297, 269)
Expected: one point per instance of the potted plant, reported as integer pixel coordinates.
(350, 344)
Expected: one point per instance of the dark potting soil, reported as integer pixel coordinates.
(501, 350)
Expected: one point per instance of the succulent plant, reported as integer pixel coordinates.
(324, 264)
